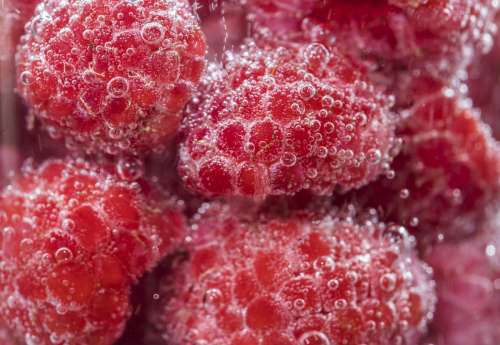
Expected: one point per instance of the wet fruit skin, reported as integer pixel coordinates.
(284, 117)
(76, 236)
(468, 279)
(295, 280)
(111, 75)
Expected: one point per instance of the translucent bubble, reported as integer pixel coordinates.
(333, 284)
(89, 76)
(130, 169)
(324, 263)
(388, 282)
(153, 33)
(288, 159)
(340, 304)
(118, 87)
(63, 254)
(307, 91)
(374, 156)
(322, 152)
(87, 34)
(314, 338)
(327, 101)
(404, 193)
(317, 56)
(26, 78)
(212, 298)
(299, 304)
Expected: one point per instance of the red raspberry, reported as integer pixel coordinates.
(296, 281)
(468, 281)
(111, 75)
(280, 120)
(75, 237)
(447, 177)
(437, 37)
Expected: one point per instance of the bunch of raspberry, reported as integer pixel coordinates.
(280, 118)
(296, 280)
(446, 180)
(468, 281)
(75, 236)
(111, 75)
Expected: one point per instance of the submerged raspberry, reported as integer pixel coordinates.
(447, 177)
(277, 121)
(111, 75)
(438, 37)
(75, 237)
(468, 281)
(296, 281)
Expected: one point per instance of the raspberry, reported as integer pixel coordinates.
(438, 37)
(75, 236)
(447, 177)
(468, 277)
(296, 281)
(111, 75)
(276, 121)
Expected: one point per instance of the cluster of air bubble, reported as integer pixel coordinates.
(468, 287)
(446, 179)
(279, 119)
(300, 280)
(111, 75)
(74, 237)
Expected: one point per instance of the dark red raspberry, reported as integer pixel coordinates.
(298, 280)
(75, 237)
(468, 287)
(111, 75)
(447, 177)
(438, 37)
(280, 120)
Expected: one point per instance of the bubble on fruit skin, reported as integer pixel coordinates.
(212, 298)
(153, 33)
(63, 255)
(26, 78)
(131, 169)
(314, 338)
(118, 87)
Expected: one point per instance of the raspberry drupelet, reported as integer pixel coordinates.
(279, 118)
(447, 177)
(467, 280)
(111, 75)
(296, 280)
(76, 236)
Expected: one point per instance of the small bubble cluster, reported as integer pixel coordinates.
(468, 287)
(300, 280)
(447, 176)
(74, 236)
(111, 75)
(278, 120)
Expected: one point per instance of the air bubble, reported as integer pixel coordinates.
(153, 33)
(63, 255)
(333, 284)
(340, 304)
(299, 304)
(130, 169)
(117, 87)
(212, 298)
(26, 78)
(324, 263)
(307, 91)
(317, 56)
(288, 159)
(314, 338)
(388, 282)
(404, 193)
(374, 156)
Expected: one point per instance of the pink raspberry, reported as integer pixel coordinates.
(277, 121)
(298, 280)
(468, 279)
(111, 75)
(447, 176)
(75, 237)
